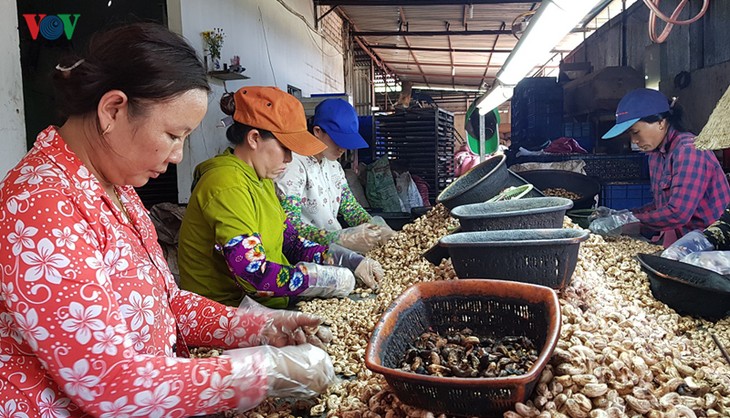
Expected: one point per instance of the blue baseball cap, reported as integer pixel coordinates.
(634, 106)
(339, 119)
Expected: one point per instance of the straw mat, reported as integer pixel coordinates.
(716, 133)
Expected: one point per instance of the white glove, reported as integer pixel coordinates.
(613, 223)
(370, 272)
(386, 232)
(285, 327)
(327, 281)
(691, 242)
(301, 371)
(361, 238)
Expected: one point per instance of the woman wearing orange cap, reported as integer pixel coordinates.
(235, 239)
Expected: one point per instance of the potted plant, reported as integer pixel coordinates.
(214, 42)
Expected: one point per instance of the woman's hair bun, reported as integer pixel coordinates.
(228, 104)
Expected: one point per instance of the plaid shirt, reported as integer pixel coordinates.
(689, 186)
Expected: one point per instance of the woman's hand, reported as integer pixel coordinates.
(286, 327)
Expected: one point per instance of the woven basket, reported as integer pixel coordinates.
(545, 257)
(490, 308)
(530, 213)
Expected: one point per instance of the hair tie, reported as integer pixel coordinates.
(226, 122)
(674, 100)
(63, 69)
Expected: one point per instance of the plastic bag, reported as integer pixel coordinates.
(380, 190)
(717, 261)
(407, 191)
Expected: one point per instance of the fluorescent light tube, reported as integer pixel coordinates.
(552, 22)
(493, 98)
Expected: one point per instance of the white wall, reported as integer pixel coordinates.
(277, 47)
(12, 119)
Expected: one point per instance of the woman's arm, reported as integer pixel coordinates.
(719, 232)
(292, 205)
(63, 304)
(350, 209)
(690, 179)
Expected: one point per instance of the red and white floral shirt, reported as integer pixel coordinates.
(89, 312)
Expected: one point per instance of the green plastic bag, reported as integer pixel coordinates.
(380, 189)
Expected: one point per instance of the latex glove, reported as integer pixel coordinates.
(601, 212)
(337, 255)
(691, 242)
(327, 281)
(361, 238)
(613, 223)
(370, 272)
(301, 371)
(386, 232)
(284, 327)
(717, 261)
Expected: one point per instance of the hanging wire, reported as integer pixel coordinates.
(672, 20)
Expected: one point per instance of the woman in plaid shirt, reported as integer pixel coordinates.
(689, 186)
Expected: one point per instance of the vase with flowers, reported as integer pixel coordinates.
(213, 40)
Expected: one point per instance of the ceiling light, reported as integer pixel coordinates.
(497, 95)
(552, 22)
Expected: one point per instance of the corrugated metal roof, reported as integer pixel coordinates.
(456, 59)
(452, 60)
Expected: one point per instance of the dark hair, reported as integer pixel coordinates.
(146, 61)
(674, 117)
(237, 132)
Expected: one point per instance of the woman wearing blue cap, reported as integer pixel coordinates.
(314, 191)
(689, 187)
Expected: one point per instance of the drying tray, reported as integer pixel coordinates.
(529, 213)
(686, 288)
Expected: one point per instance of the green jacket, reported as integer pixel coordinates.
(228, 200)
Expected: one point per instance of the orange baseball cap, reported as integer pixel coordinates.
(280, 113)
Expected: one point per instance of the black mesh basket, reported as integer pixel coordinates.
(687, 289)
(489, 308)
(481, 183)
(585, 187)
(530, 213)
(541, 256)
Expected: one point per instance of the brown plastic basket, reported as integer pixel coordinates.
(492, 308)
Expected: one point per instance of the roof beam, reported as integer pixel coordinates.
(410, 49)
(434, 32)
(418, 48)
(414, 2)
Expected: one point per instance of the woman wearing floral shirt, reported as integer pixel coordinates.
(90, 314)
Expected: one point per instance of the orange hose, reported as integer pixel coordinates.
(653, 6)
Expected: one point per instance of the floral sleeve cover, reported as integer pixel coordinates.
(246, 258)
(350, 208)
(293, 207)
(89, 310)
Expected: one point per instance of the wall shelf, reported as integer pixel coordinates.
(227, 75)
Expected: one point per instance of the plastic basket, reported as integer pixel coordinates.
(490, 308)
(626, 195)
(530, 213)
(586, 187)
(545, 257)
(686, 288)
(484, 181)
